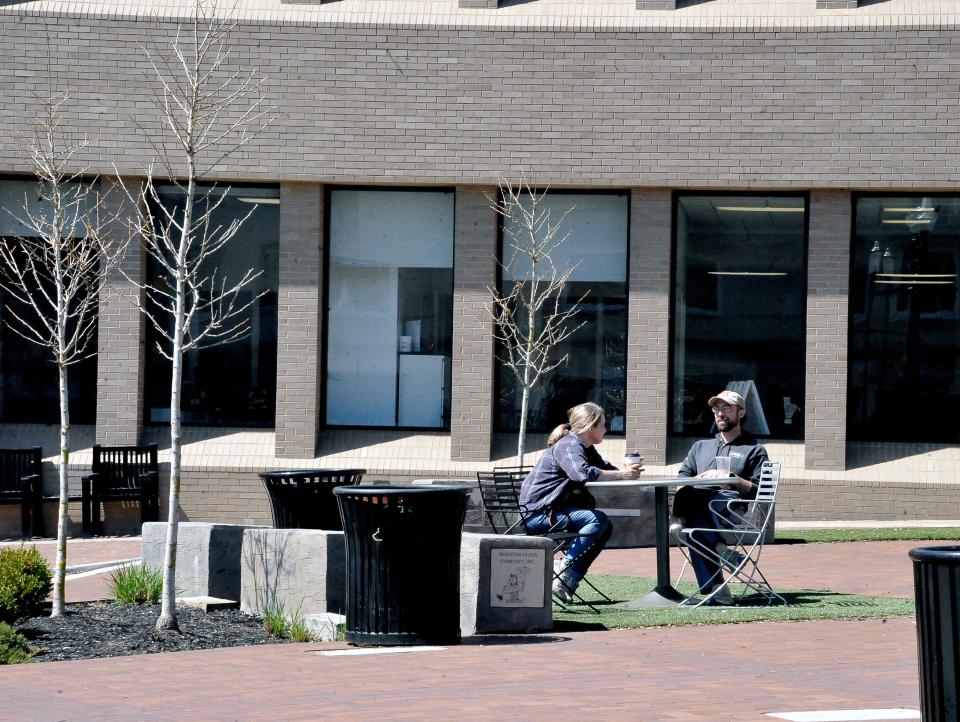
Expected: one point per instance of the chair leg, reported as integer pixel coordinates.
(25, 528)
(96, 511)
(86, 501)
(38, 527)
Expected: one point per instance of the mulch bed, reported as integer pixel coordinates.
(107, 629)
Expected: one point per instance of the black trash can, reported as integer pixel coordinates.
(303, 498)
(403, 563)
(936, 579)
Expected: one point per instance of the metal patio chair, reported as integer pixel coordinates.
(748, 520)
(500, 493)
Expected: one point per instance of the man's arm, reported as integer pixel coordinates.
(749, 481)
(689, 465)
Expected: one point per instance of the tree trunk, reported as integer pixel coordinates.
(60, 568)
(168, 612)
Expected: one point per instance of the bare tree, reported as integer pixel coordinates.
(54, 272)
(208, 109)
(530, 320)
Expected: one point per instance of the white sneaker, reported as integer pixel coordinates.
(564, 586)
(675, 530)
(722, 596)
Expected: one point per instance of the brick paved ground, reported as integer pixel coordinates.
(652, 674)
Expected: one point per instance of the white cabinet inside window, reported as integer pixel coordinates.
(421, 390)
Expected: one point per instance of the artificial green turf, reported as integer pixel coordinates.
(802, 605)
(793, 536)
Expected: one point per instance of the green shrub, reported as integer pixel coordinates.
(13, 646)
(136, 584)
(297, 631)
(24, 583)
(275, 620)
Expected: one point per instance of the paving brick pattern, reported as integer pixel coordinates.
(676, 674)
(679, 674)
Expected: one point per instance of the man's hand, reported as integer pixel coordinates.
(714, 474)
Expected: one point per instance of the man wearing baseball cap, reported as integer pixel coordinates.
(693, 504)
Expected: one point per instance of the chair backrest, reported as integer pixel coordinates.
(500, 493)
(759, 514)
(122, 466)
(15, 464)
(769, 481)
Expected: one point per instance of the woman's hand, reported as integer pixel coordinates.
(631, 471)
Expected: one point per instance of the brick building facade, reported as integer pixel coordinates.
(723, 96)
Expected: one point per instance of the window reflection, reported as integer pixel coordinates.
(739, 307)
(29, 385)
(390, 301)
(595, 369)
(233, 384)
(904, 311)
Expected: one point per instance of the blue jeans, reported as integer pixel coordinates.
(594, 532)
(693, 506)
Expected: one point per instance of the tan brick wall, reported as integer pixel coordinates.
(300, 319)
(475, 249)
(120, 332)
(648, 327)
(701, 106)
(828, 281)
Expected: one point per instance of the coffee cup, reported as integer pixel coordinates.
(632, 458)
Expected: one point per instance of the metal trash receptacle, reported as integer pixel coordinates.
(303, 498)
(403, 563)
(936, 579)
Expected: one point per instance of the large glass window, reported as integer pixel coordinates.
(234, 384)
(739, 308)
(29, 385)
(595, 365)
(390, 308)
(905, 319)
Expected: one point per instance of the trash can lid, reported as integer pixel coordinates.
(948, 554)
(283, 473)
(400, 489)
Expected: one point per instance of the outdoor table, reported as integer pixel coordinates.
(303, 498)
(664, 594)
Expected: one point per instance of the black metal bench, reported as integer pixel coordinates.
(21, 482)
(121, 473)
(303, 498)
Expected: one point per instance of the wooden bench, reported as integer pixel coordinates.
(121, 473)
(21, 482)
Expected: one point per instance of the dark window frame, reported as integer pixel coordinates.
(497, 383)
(855, 196)
(328, 191)
(270, 423)
(674, 205)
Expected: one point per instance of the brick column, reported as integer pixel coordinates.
(475, 248)
(120, 332)
(828, 269)
(299, 327)
(648, 324)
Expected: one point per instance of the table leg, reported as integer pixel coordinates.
(663, 595)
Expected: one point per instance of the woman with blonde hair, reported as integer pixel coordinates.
(556, 496)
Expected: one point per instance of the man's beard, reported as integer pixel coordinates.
(727, 424)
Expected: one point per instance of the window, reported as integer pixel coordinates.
(390, 308)
(739, 310)
(595, 366)
(905, 319)
(29, 385)
(233, 384)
